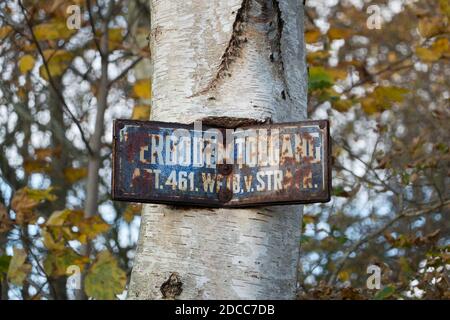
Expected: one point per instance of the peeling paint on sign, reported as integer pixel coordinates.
(171, 163)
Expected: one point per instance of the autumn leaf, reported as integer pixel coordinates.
(44, 153)
(59, 228)
(36, 166)
(431, 26)
(142, 89)
(57, 263)
(41, 194)
(26, 199)
(339, 33)
(4, 266)
(342, 105)
(22, 202)
(312, 36)
(317, 57)
(435, 52)
(57, 62)
(73, 175)
(18, 268)
(344, 276)
(427, 55)
(382, 98)
(131, 211)
(337, 73)
(54, 30)
(26, 63)
(93, 226)
(47, 153)
(5, 222)
(308, 219)
(105, 279)
(53, 241)
(5, 31)
(444, 6)
(319, 78)
(115, 38)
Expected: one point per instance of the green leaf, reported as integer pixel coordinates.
(18, 269)
(105, 279)
(4, 265)
(385, 293)
(57, 263)
(319, 78)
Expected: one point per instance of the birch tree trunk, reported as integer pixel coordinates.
(227, 63)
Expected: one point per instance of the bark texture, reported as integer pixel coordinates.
(227, 63)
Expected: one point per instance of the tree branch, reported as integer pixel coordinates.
(51, 80)
(406, 214)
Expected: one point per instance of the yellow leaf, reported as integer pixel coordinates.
(41, 194)
(75, 174)
(308, 219)
(337, 74)
(53, 242)
(142, 89)
(46, 31)
(382, 98)
(57, 61)
(141, 112)
(390, 94)
(339, 33)
(54, 30)
(18, 268)
(131, 211)
(115, 38)
(369, 105)
(343, 276)
(33, 166)
(317, 56)
(427, 55)
(342, 105)
(445, 7)
(94, 226)
(431, 26)
(105, 279)
(5, 31)
(26, 63)
(312, 36)
(442, 47)
(437, 50)
(57, 218)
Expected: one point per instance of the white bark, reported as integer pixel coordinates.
(225, 62)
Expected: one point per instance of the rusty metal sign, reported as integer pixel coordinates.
(172, 163)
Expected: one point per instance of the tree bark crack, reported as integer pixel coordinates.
(233, 50)
(277, 46)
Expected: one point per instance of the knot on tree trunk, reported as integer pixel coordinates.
(172, 288)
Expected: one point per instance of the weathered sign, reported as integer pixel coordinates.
(171, 163)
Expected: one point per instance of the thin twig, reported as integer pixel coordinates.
(51, 80)
(406, 214)
(125, 71)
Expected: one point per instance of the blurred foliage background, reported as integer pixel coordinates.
(385, 91)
